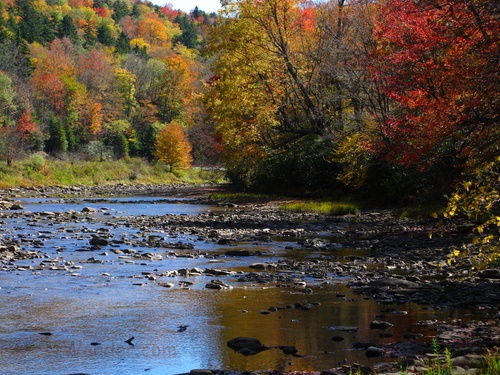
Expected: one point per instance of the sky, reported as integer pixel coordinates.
(188, 5)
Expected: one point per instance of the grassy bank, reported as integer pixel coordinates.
(322, 207)
(38, 170)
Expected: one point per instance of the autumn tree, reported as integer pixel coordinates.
(95, 71)
(172, 147)
(439, 62)
(176, 91)
(288, 87)
(28, 131)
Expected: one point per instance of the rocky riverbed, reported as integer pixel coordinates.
(399, 262)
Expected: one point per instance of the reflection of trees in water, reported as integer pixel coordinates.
(306, 329)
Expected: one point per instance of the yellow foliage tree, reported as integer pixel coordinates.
(478, 199)
(173, 148)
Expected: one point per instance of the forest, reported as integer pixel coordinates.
(397, 100)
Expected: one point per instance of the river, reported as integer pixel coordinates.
(77, 309)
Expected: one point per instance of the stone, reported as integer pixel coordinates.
(344, 328)
(246, 345)
(98, 241)
(490, 274)
(239, 253)
(374, 351)
(288, 350)
(362, 345)
(380, 324)
(88, 210)
(217, 284)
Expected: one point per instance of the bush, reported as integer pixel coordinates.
(478, 199)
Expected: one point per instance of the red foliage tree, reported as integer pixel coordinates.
(438, 60)
(169, 12)
(26, 126)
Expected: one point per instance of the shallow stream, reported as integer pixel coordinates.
(78, 316)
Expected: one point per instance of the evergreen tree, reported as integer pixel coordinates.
(57, 141)
(120, 10)
(90, 39)
(67, 29)
(105, 36)
(189, 36)
(33, 25)
(122, 44)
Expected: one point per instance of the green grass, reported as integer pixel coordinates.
(322, 207)
(39, 170)
(491, 365)
(441, 364)
(235, 196)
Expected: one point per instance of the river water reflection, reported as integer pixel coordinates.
(78, 320)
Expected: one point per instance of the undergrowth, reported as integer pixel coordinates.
(322, 207)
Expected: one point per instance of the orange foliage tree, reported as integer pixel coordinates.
(173, 148)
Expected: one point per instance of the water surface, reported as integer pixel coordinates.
(78, 320)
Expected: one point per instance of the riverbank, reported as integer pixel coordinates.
(40, 170)
(401, 262)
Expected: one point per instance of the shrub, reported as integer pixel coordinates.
(478, 199)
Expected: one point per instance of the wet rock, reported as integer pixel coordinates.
(412, 336)
(239, 253)
(288, 350)
(362, 345)
(490, 274)
(380, 324)
(89, 210)
(182, 328)
(218, 272)
(246, 345)
(166, 285)
(344, 328)
(374, 351)
(217, 284)
(98, 241)
(259, 266)
(394, 283)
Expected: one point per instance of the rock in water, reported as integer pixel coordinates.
(246, 345)
(380, 324)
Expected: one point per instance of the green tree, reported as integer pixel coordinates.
(120, 10)
(189, 36)
(105, 35)
(33, 25)
(67, 29)
(57, 142)
(122, 44)
(7, 94)
(89, 36)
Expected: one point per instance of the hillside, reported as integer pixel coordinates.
(99, 79)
